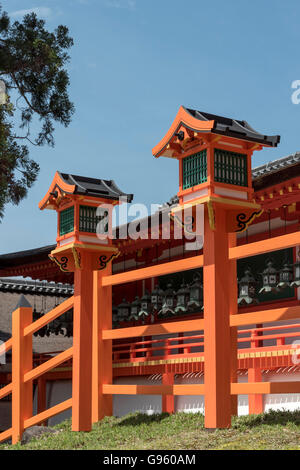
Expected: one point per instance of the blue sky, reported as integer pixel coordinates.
(133, 64)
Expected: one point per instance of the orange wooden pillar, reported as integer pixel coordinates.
(233, 309)
(256, 401)
(82, 347)
(168, 401)
(102, 405)
(217, 341)
(22, 394)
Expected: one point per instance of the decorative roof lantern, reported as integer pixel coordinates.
(214, 154)
(135, 308)
(296, 281)
(286, 275)
(270, 278)
(145, 306)
(247, 289)
(183, 297)
(196, 293)
(84, 219)
(157, 298)
(168, 302)
(124, 310)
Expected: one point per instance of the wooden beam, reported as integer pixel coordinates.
(5, 391)
(82, 348)
(265, 316)
(5, 346)
(153, 389)
(153, 271)
(21, 364)
(5, 435)
(102, 405)
(265, 246)
(152, 330)
(45, 415)
(217, 341)
(265, 388)
(49, 365)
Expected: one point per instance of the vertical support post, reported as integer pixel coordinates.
(22, 394)
(82, 347)
(168, 402)
(256, 403)
(217, 342)
(102, 405)
(233, 309)
(42, 397)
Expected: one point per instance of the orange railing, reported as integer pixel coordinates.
(185, 346)
(23, 372)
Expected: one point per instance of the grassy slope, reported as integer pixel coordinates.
(273, 430)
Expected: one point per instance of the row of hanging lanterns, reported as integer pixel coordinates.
(62, 325)
(164, 303)
(274, 280)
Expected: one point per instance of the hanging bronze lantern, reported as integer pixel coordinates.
(183, 297)
(134, 310)
(196, 294)
(66, 323)
(115, 320)
(286, 275)
(296, 280)
(123, 310)
(145, 306)
(247, 289)
(36, 316)
(270, 278)
(168, 302)
(157, 298)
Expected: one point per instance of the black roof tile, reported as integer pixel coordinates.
(235, 128)
(95, 187)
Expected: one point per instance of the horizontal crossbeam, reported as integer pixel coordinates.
(265, 316)
(197, 389)
(264, 388)
(265, 246)
(161, 269)
(152, 330)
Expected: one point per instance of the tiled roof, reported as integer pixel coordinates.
(276, 165)
(36, 287)
(235, 128)
(95, 187)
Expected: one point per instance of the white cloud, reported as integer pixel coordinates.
(41, 12)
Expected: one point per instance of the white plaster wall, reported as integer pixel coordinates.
(148, 404)
(57, 392)
(286, 401)
(151, 404)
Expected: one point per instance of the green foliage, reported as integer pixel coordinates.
(180, 431)
(32, 67)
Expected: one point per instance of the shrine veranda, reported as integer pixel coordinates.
(158, 323)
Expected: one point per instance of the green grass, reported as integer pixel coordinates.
(273, 430)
